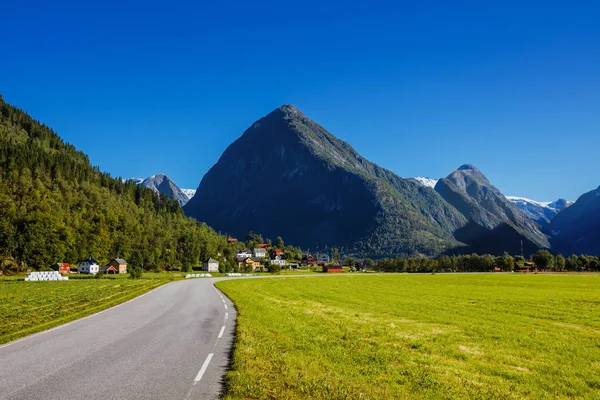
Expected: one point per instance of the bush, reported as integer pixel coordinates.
(274, 268)
(135, 272)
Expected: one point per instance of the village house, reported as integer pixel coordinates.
(308, 261)
(278, 259)
(241, 255)
(231, 240)
(89, 266)
(211, 265)
(323, 259)
(119, 264)
(252, 263)
(109, 269)
(62, 268)
(260, 253)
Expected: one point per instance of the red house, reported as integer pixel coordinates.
(332, 268)
(308, 260)
(263, 246)
(231, 240)
(62, 268)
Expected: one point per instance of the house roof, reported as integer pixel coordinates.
(259, 249)
(120, 261)
(107, 267)
(242, 251)
(90, 260)
(211, 260)
(256, 259)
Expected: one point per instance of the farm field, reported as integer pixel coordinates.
(29, 307)
(439, 336)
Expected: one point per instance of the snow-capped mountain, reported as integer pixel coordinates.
(163, 184)
(189, 192)
(541, 212)
(426, 181)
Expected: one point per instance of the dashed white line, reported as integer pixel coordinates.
(225, 307)
(203, 369)
(221, 333)
(226, 316)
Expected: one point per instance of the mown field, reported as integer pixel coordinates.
(29, 307)
(417, 337)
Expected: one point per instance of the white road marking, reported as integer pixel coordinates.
(225, 307)
(203, 369)
(221, 333)
(226, 316)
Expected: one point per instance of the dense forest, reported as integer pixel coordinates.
(56, 207)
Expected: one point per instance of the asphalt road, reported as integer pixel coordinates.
(171, 343)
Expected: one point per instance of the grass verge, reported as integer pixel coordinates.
(30, 307)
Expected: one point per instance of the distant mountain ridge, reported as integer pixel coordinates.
(162, 184)
(540, 212)
(495, 224)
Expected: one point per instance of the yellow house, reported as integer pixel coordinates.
(119, 264)
(253, 263)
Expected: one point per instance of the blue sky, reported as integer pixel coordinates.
(417, 87)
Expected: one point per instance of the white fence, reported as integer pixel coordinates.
(238, 274)
(198, 276)
(45, 276)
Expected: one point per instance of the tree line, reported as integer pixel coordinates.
(541, 260)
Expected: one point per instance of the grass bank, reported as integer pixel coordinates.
(30, 307)
(417, 337)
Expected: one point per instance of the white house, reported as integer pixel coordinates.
(260, 253)
(241, 255)
(89, 266)
(278, 259)
(211, 265)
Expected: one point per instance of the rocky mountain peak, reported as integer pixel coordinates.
(467, 167)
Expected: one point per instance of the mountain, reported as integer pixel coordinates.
(428, 182)
(495, 224)
(163, 184)
(576, 228)
(286, 175)
(540, 212)
(56, 207)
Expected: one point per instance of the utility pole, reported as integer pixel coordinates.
(522, 254)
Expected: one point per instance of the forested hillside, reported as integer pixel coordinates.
(56, 207)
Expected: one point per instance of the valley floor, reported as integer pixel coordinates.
(439, 336)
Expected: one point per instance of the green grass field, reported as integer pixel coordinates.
(417, 336)
(29, 307)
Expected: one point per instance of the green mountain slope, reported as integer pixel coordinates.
(54, 206)
(287, 175)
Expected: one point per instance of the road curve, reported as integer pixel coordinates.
(171, 343)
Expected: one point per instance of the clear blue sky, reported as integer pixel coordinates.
(419, 88)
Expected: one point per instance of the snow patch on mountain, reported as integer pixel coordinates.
(189, 192)
(426, 181)
(541, 212)
(515, 199)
